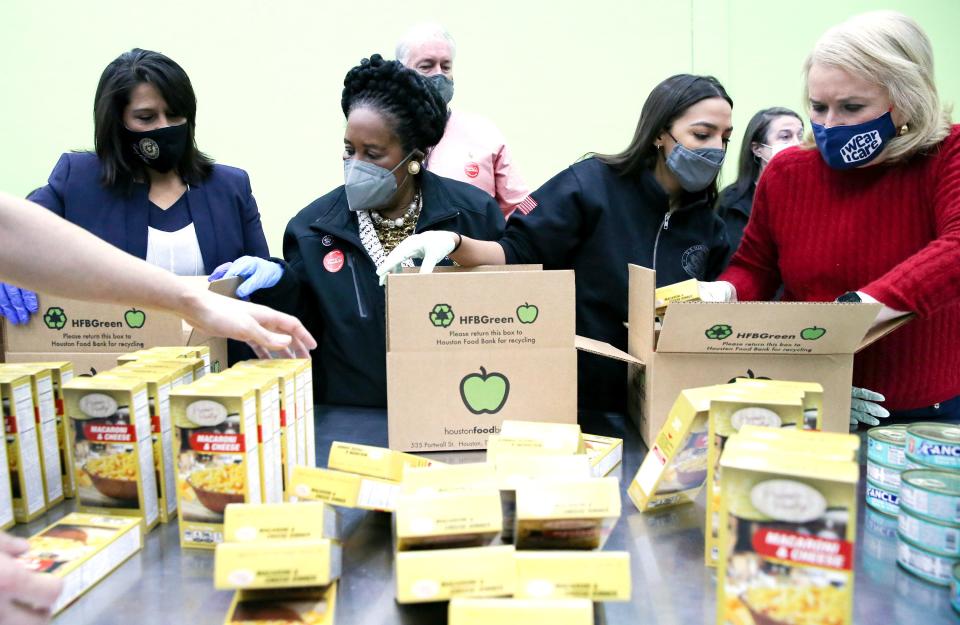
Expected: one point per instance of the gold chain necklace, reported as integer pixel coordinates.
(391, 232)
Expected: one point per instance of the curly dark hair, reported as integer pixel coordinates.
(414, 109)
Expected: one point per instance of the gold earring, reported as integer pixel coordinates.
(413, 167)
(904, 130)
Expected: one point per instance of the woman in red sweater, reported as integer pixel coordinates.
(872, 214)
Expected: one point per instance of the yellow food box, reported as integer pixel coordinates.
(513, 470)
(342, 489)
(448, 520)
(802, 439)
(82, 549)
(593, 575)
(762, 407)
(686, 291)
(181, 369)
(559, 438)
(200, 365)
(520, 612)
(310, 606)
(158, 383)
(22, 449)
(218, 456)
(276, 564)
(604, 453)
(280, 521)
(567, 515)
(788, 525)
(181, 351)
(45, 414)
(385, 464)
(306, 436)
(442, 574)
(112, 447)
(448, 478)
(812, 397)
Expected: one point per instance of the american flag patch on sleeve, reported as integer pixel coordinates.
(527, 205)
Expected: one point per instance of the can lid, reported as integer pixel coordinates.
(891, 435)
(889, 467)
(941, 482)
(914, 546)
(941, 432)
(908, 512)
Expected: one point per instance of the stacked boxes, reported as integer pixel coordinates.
(21, 462)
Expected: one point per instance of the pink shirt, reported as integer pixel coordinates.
(474, 151)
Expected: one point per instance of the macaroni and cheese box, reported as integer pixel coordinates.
(159, 382)
(198, 366)
(520, 612)
(558, 438)
(306, 436)
(593, 575)
(276, 564)
(280, 521)
(342, 489)
(447, 520)
(45, 414)
(385, 464)
(443, 574)
(801, 439)
(21, 451)
(162, 352)
(686, 291)
(313, 606)
(604, 453)
(82, 549)
(181, 369)
(448, 478)
(788, 525)
(218, 456)
(112, 447)
(812, 397)
(567, 515)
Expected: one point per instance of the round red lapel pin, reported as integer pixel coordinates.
(333, 261)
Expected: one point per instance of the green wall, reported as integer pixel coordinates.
(559, 78)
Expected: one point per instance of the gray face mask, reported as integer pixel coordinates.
(442, 84)
(369, 186)
(695, 169)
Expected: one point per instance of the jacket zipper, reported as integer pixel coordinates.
(425, 226)
(356, 286)
(656, 242)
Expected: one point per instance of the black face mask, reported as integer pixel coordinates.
(443, 85)
(161, 148)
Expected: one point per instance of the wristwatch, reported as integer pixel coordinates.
(850, 297)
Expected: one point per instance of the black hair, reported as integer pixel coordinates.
(748, 169)
(120, 167)
(414, 109)
(668, 101)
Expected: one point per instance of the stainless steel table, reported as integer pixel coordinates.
(165, 585)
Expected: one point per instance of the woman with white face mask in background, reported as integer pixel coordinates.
(769, 132)
(870, 213)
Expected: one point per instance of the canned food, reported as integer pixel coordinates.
(933, 536)
(928, 566)
(883, 475)
(955, 588)
(881, 498)
(913, 463)
(886, 445)
(932, 494)
(934, 444)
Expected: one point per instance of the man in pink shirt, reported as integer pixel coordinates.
(473, 149)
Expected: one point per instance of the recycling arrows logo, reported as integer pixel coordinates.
(441, 316)
(55, 318)
(718, 331)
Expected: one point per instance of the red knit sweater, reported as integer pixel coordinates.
(891, 231)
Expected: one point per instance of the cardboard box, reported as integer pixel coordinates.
(82, 549)
(276, 564)
(280, 521)
(786, 542)
(467, 350)
(342, 489)
(112, 447)
(520, 612)
(605, 453)
(443, 574)
(593, 575)
(316, 606)
(703, 344)
(567, 515)
(218, 459)
(385, 464)
(447, 520)
(66, 327)
(448, 478)
(45, 414)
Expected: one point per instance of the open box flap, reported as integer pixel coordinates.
(226, 287)
(607, 350)
(879, 331)
(766, 327)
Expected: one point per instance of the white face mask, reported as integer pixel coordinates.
(776, 149)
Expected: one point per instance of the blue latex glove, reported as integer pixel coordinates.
(17, 304)
(864, 409)
(256, 272)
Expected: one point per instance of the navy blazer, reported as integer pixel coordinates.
(223, 210)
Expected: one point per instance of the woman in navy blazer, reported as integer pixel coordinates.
(147, 189)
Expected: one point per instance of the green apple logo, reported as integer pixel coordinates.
(441, 316)
(812, 334)
(527, 313)
(55, 318)
(718, 331)
(484, 393)
(135, 318)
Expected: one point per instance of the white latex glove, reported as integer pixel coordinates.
(717, 292)
(432, 246)
(886, 313)
(864, 409)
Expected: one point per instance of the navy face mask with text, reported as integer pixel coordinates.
(846, 147)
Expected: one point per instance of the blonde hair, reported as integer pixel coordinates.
(889, 49)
